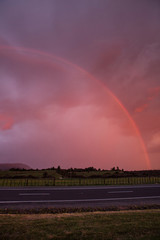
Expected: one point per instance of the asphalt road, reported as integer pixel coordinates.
(88, 196)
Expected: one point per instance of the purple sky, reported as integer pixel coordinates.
(52, 112)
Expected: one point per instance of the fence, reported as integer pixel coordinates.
(78, 181)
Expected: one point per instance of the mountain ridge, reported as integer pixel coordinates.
(8, 166)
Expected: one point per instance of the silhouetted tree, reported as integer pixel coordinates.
(58, 169)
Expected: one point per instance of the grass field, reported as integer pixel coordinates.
(78, 181)
(29, 173)
(137, 225)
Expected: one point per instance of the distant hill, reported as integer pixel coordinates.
(7, 166)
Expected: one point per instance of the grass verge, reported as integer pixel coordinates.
(56, 210)
(137, 225)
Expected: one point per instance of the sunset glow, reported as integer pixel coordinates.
(87, 101)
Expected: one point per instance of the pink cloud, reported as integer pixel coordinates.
(141, 108)
(6, 122)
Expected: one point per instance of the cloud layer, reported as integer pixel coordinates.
(51, 112)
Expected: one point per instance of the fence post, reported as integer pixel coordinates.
(54, 181)
(26, 182)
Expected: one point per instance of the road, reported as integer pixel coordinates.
(88, 196)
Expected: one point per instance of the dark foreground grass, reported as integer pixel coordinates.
(129, 225)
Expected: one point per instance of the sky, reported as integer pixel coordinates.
(80, 83)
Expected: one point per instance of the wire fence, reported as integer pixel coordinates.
(78, 181)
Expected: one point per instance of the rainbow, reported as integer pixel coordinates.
(46, 56)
